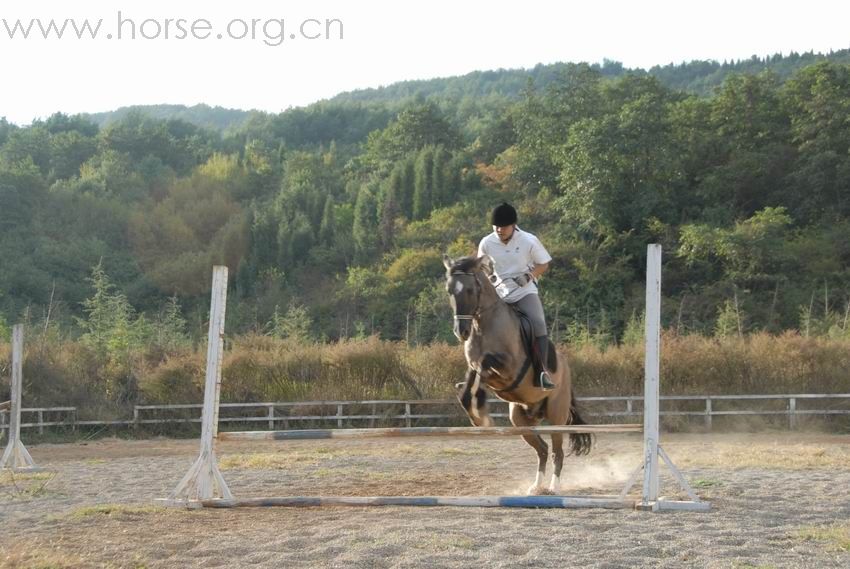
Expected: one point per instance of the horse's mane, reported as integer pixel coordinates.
(464, 264)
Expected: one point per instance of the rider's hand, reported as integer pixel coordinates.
(523, 279)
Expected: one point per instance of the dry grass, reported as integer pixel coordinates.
(444, 542)
(259, 368)
(275, 461)
(28, 557)
(328, 456)
(836, 537)
(114, 510)
(759, 363)
(25, 485)
(779, 456)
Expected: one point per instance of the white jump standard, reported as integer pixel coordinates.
(15, 457)
(204, 480)
(203, 485)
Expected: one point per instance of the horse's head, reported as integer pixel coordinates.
(464, 282)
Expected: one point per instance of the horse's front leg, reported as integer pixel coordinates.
(473, 398)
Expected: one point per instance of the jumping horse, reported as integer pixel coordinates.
(499, 362)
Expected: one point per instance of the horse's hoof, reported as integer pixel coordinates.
(535, 490)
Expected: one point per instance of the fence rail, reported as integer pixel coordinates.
(277, 415)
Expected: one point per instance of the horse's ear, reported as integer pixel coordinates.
(447, 262)
(486, 264)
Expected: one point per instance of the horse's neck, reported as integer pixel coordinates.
(498, 323)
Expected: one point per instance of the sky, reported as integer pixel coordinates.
(171, 52)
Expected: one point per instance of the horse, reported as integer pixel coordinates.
(497, 360)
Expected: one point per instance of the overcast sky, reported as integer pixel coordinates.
(381, 43)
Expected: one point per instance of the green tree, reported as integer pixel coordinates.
(364, 230)
(327, 229)
(621, 169)
(169, 329)
(296, 324)
(818, 102)
(113, 331)
(417, 126)
(439, 190)
(423, 184)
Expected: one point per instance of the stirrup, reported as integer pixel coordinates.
(546, 383)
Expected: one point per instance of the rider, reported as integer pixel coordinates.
(519, 260)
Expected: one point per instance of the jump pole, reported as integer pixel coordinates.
(380, 433)
(16, 457)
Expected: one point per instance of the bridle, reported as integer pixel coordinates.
(478, 310)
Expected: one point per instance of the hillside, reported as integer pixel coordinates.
(334, 217)
(697, 77)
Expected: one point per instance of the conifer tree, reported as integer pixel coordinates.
(327, 229)
(364, 229)
(423, 184)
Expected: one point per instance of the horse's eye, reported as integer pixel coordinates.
(493, 278)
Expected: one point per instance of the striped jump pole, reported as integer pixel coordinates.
(307, 434)
(611, 502)
(16, 457)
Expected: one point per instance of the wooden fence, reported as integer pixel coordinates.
(790, 409)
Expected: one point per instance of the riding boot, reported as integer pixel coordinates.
(544, 382)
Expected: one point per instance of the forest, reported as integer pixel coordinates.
(333, 217)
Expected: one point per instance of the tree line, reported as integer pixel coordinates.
(333, 218)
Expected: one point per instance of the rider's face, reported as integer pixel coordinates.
(505, 233)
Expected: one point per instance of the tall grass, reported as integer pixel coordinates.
(697, 365)
(260, 368)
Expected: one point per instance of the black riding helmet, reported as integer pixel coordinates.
(503, 215)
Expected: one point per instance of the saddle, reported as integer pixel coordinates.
(527, 334)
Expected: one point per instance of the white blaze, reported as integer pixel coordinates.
(458, 287)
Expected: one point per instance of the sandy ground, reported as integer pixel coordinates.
(780, 500)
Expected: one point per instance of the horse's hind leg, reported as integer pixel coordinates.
(558, 461)
(519, 418)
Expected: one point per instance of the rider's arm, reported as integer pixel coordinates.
(539, 269)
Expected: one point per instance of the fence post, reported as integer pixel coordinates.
(708, 413)
(40, 421)
(339, 415)
(629, 406)
(271, 417)
(135, 417)
(407, 421)
(792, 413)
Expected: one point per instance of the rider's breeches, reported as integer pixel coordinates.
(531, 306)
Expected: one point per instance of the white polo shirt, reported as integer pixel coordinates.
(517, 256)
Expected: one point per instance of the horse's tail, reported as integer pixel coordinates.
(580, 443)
